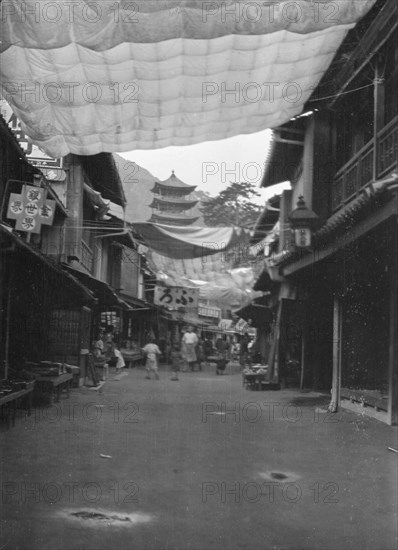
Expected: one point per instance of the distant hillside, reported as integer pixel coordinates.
(137, 184)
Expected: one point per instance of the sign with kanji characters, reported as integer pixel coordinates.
(302, 237)
(173, 296)
(31, 209)
(207, 311)
(34, 154)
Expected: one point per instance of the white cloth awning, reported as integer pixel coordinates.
(88, 77)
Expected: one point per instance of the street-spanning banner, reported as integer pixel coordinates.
(92, 76)
(179, 242)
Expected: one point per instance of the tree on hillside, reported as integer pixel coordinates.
(232, 206)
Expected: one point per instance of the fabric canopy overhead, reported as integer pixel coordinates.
(217, 281)
(213, 259)
(110, 76)
(190, 242)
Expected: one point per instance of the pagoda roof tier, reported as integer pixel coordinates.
(174, 183)
(163, 201)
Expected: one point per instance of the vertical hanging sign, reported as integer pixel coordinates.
(31, 209)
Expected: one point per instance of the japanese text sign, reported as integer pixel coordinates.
(31, 209)
(176, 296)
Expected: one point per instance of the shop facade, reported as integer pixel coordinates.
(343, 161)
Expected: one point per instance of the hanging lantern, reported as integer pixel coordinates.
(302, 220)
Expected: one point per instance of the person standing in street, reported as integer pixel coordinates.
(176, 360)
(244, 343)
(190, 341)
(120, 363)
(151, 352)
(200, 354)
(208, 349)
(184, 354)
(99, 343)
(222, 354)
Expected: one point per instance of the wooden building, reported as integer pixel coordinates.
(341, 155)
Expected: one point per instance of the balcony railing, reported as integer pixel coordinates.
(380, 154)
(87, 256)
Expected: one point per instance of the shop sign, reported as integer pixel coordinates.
(241, 325)
(206, 311)
(225, 324)
(173, 296)
(31, 209)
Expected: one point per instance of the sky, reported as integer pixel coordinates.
(212, 165)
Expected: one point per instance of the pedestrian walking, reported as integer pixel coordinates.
(222, 351)
(176, 360)
(120, 362)
(151, 352)
(190, 341)
(207, 349)
(184, 354)
(200, 354)
(169, 349)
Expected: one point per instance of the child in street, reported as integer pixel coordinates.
(120, 363)
(151, 352)
(176, 360)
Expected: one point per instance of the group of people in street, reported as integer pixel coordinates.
(106, 351)
(191, 352)
(182, 357)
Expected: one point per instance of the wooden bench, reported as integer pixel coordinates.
(9, 403)
(53, 386)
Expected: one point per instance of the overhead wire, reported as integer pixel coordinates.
(341, 93)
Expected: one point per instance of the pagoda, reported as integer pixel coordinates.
(172, 202)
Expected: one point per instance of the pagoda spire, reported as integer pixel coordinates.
(173, 202)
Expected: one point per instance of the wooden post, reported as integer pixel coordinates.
(7, 324)
(303, 342)
(74, 222)
(392, 412)
(378, 114)
(273, 358)
(336, 377)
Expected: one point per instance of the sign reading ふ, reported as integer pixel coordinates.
(31, 209)
(173, 296)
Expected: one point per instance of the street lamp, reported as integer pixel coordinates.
(302, 220)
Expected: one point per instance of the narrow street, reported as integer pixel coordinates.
(201, 463)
